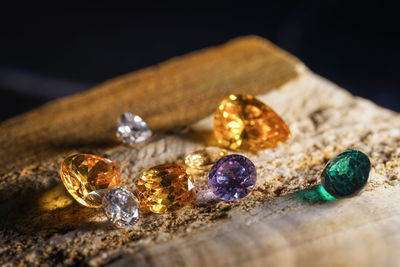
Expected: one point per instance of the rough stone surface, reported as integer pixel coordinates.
(283, 222)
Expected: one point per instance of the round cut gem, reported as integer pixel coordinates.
(87, 177)
(242, 121)
(347, 174)
(132, 129)
(165, 188)
(232, 177)
(121, 207)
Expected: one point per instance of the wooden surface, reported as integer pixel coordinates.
(164, 95)
(284, 222)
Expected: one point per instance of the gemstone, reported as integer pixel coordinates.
(242, 121)
(121, 207)
(347, 174)
(232, 177)
(165, 188)
(132, 129)
(88, 177)
(204, 158)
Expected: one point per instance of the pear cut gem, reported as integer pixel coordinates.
(242, 121)
(88, 177)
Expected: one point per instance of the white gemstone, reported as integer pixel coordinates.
(121, 207)
(132, 129)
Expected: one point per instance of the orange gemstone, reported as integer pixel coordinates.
(242, 121)
(204, 158)
(87, 177)
(165, 188)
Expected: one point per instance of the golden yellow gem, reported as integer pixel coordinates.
(204, 158)
(165, 188)
(87, 177)
(242, 121)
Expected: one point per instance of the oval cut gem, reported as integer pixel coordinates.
(88, 177)
(232, 177)
(165, 188)
(347, 174)
(242, 121)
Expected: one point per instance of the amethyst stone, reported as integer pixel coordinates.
(232, 177)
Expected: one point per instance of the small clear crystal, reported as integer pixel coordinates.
(121, 207)
(132, 129)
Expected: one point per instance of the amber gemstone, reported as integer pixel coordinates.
(88, 177)
(165, 188)
(242, 121)
(204, 158)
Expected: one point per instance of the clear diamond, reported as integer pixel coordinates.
(132, 129)
(121, 207)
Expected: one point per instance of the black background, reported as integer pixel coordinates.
(48, 51)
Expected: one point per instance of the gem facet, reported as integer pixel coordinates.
(132, 129)
(232, 177)
(165, 188)
(204, 158)
(347, 174)
(87, 178)
(242, 121)
(121, 207)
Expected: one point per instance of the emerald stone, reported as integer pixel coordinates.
(347, 174)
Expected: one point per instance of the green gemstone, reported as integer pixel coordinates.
(347, 174)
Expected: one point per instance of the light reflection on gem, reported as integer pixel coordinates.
(55, 198)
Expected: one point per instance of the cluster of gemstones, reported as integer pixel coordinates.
(94, 182)
(241, 122)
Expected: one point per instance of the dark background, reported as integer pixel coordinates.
(52, 51)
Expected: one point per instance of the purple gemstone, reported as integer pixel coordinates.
(232, 177)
